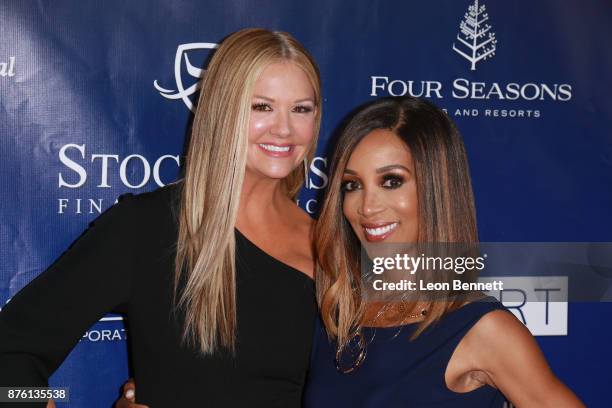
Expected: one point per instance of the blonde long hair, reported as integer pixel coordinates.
(446, 208)
(205, 275)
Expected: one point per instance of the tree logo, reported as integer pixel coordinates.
(475, 36)
(182, 92)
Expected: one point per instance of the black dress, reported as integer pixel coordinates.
(124, 263)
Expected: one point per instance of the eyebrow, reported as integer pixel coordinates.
(382, 169)
(272, 100)
(392, 167)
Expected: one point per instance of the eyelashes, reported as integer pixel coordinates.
(266, 107)
(388, 181)
(393, 181)
(261, 107)
(303, 109)
(348, 186)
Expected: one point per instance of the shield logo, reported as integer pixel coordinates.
(181, 92)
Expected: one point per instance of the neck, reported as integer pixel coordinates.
(391, 314)
(261, 199)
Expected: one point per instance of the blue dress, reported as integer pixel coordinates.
(398, 372)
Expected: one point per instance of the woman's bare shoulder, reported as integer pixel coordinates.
(498, 331)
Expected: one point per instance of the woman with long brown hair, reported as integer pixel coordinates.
(214, 272)
(400, 178)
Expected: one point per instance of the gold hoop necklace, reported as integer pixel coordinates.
(362, 344)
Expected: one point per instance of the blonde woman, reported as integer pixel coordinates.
(214, 272)
(400, 176)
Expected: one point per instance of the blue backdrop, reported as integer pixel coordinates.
(95, 101)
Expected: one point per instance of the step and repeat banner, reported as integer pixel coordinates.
(96, 100)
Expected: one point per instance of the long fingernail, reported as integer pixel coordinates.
(129, 394)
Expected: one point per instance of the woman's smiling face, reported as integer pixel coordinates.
(282, 122)
(380, 191)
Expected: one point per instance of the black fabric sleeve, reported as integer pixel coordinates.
(46, 319)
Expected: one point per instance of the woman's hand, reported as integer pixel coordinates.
(128, 396)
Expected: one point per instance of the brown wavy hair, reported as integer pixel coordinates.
(446, 208)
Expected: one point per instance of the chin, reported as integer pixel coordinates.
(273, 173)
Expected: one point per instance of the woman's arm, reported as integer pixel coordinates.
(503, 348)
(46, 319)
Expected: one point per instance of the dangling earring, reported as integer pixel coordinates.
(306, 172)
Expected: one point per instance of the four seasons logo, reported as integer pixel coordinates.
(476, 41)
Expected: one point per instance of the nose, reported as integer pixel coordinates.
(370, 204)
(282, 124)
